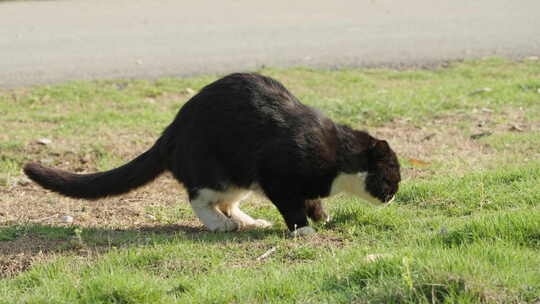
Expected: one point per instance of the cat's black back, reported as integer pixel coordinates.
(241, 122)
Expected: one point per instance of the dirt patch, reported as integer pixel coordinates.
(11, 265)
(30, 203)
(450, 143)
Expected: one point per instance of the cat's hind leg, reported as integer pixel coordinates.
(205, 205)
(230, 206)
(315, 211)
(246, 220)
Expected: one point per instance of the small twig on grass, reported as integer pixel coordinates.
(479, 135)
(267, 253)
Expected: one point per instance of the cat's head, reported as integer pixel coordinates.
(372, 174)
(383, 175)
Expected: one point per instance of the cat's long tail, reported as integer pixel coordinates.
(136, 173)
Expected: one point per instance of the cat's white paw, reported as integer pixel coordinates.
(303, 231)
(262, 223)
(226, 226)
(259, 223)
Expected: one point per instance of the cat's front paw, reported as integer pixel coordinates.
(254, 224)
(303, 231)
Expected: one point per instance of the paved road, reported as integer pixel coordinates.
(52, 41)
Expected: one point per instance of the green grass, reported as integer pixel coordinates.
(499, 189)
(470, 236)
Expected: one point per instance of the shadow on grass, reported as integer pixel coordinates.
(34, 239)
(23, 245)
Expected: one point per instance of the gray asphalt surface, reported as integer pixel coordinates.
(53, 41)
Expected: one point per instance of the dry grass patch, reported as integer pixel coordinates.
(456, 143)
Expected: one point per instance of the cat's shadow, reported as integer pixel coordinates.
(37, 239)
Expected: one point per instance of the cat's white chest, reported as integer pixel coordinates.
(355, 184)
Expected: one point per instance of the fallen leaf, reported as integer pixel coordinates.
(419, 163)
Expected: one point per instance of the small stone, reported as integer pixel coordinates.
(303, 231)
(443, 231)
(67, 219)
(190, 91)
(150, 217)
(532, 58)
(44, 141)
(139, 62)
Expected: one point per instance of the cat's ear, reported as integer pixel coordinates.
(380, 148)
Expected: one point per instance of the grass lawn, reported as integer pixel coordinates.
(465, 227)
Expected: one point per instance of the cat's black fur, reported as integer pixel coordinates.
(243, 130)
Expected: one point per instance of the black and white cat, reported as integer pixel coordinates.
(244, 133)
